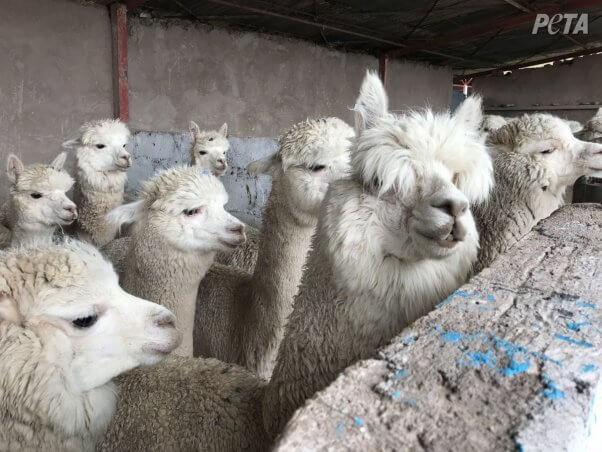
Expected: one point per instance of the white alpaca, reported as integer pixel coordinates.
(209, 148)
(536, 157)
(179, 224)
(102, 162)
(66, 330)
(38, 202)
(240, 316)
(493, 122)
(391, 242)
(592, 131)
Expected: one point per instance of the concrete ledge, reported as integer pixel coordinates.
(511, 361)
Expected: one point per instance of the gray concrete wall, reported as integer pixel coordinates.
(55, 73)
(511, 361)
(260, 85)
(568, 84)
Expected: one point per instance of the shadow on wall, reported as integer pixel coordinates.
(154, 151)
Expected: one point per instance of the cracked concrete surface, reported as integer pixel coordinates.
(510, 361)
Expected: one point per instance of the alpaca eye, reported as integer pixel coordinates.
(317, 168)
(548, 151)
(100, 146)
(191, 212)
(210, 139)
(85, 322)
(202, 152)
(544, 188)
(36, 195)
(124, 146)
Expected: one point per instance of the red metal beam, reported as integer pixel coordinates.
(383, 66)
(119, 31)
(486, 28)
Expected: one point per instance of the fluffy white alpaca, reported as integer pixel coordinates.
(102, 162)
(536, 157)
(593, 128)
(38, 202)
(179, 224)
(240, 316)
(209, 148)
(391, 242)
(66, 330)
(493, 122)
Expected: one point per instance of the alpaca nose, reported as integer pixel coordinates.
(453, 207)
(125, 159)
(72, 209)
(164, 319)
(238, 229)
(222, 162)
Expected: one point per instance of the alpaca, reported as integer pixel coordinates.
(493, 122)
(102, 162)
(209, 148)
(592, 131)
(38, 202)
(240, 316)
(66, 330)
(536, 157)
(391, 241)
(179, 224)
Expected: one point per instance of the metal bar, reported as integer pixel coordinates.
(383, 66)
(544, 108)
(119, 32)
(523, 64)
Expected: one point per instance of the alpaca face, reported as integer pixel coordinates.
(90, 328)
(492, 122)
(39, 194)
(421, 171)
(102, 147)
(593, 129)
(209, 149)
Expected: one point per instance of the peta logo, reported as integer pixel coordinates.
(573, 23)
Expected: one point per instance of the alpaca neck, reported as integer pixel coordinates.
(157, 271)
(285, 240)
(28, 235)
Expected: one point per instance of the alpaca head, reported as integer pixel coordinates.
(185, 206)
(38, 193)
(310, 155)
(209, 148)
(423, 170)
(547, 142)
(101, 146)
(90, 328)
(492, 122)
(593, 128)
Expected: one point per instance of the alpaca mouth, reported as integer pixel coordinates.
(449, 242)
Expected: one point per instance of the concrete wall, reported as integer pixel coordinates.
(569, 84)
(55, 73)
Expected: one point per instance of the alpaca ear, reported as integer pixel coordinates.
(223, 130)
(8, 310)
(14, 168)
(59, 161)
(126, 213)
(194, 128)
(372, 102)
(72, 144)
(575, 126)
(470, 112)
(268, 165)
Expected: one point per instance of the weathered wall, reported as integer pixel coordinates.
(55, 73)
(569, 84)
(259, 84)
(510, 361)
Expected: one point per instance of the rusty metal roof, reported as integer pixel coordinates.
(471, 36)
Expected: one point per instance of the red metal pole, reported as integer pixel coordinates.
(383, 63)
(119, 31)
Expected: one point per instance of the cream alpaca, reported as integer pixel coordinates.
(66, 330)
(240, 316)
(38, 202)
(209, 148)
(391, 242)
(536, 157)
(102, 162)
(180, 223)
(593, 128)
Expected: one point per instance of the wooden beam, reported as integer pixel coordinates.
(119, 32)
(383, 66)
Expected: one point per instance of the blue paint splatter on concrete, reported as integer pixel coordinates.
(475, 308)
(515, 368)
(437, 328)
(585, 304)
(396, 395)
(545, 357)
(520, 447)
(358, 421)
(576, 326)
(409, 340)
(572, 341)
(411, 402)
(490, 298)
(400, 373)
(589, 368)
(462, 293)
(340, 427)
(551, 391)
(451, 337)
(478, 358)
